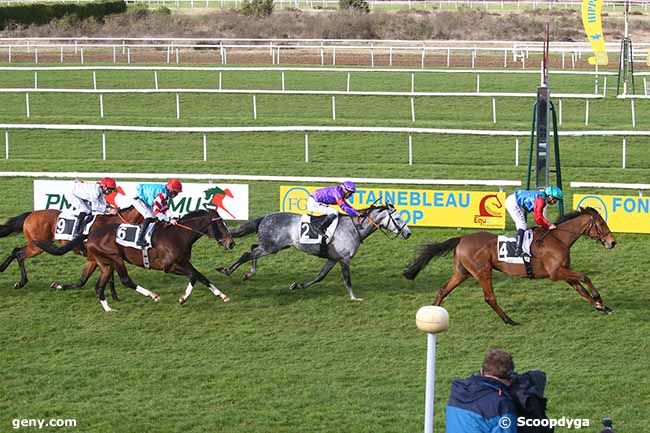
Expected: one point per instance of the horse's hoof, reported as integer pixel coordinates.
(19, 285)
(226, 299)
(156, 298)
(295, 286)
(182, 300)
(354, 298)
(248, 276)
(512, 322)
(56, 286)
(222, 270)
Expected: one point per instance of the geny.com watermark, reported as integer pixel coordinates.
(40, 423)
(576, 423)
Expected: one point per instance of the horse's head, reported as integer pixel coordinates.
(219, 231)
(388, 218)
(598, 228)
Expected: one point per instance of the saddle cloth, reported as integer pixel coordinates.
(66, 224)
(127, 235)
(506, 248)
(309, 235)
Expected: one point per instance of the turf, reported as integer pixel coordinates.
(310, 361)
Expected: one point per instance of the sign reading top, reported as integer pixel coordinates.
(418, 207)
(230, 200)
(623, 214)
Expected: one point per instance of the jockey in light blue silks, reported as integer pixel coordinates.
(320, 200)
(153, 203)
(531, 201)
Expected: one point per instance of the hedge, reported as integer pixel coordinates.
(44, 13)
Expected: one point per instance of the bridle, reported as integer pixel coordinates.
(384, 230)
(599, 236)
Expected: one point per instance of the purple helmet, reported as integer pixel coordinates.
(349, 186)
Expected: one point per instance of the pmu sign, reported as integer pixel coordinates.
(418, 207)
(623, 214)
(230, 200)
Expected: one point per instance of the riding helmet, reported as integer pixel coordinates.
(175, 185)
(108, 182)
(554, 191)
(349, 186)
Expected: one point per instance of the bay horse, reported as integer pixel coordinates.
(41, 225)
(475, 255)
(170, 252)
(279, 230)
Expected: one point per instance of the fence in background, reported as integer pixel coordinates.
(307, 129)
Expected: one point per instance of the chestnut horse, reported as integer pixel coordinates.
(41, 225)
(171, 252)
(476, 255)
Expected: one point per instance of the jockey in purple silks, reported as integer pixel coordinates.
(320, 200)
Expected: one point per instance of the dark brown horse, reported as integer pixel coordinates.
(40, 225)
(476, 255)
(171, 252)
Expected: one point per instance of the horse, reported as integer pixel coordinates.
(41, 225)
(476, 255)
(170, 252)
(279, 230)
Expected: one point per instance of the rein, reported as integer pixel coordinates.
(188, 228)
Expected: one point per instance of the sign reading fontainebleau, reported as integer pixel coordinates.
(418, 207)
(231, 200)
(623, 214)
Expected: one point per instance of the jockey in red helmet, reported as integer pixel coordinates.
(153, 203)
(90, 199)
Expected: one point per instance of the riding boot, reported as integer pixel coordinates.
(141, 242)
(520, 240)
(329, 219)
(81, 224)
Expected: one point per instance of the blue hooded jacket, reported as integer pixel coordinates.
(480, 404)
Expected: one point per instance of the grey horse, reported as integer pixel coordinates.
(280, 230)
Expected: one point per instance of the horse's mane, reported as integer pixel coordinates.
(571, 215)
(367, 210)
(194, 214)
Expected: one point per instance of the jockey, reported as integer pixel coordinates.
(90, 199)
(531, 201)
(320, 200)
(152, 203)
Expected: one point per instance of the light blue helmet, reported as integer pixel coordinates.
(554, 191)
(349, 186)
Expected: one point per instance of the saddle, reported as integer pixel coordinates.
(66, 224)
(127, 236)
(309, 235)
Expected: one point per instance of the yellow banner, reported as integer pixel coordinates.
(592, 21)
(627, 214)
(418, 207)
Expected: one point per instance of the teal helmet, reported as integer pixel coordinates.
(554, 191)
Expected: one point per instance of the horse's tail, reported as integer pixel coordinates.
(13, 225)
(247, 228)
(50, 247)
(428, 252)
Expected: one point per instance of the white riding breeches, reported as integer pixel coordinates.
(80, 205)
(314, 207)
(516, 213)
(143, 208)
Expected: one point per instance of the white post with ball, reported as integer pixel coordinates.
(432, 320)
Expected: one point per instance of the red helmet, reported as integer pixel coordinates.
(108, 182)
(175, 185)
